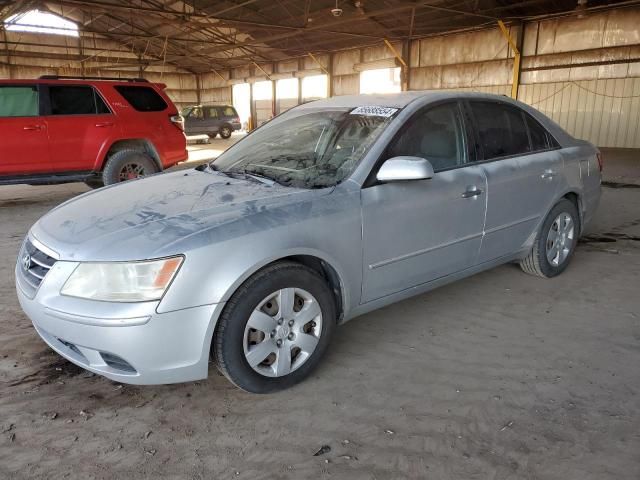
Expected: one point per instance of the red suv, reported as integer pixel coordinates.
(98, 131)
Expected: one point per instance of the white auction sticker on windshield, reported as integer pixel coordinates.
(374, 111)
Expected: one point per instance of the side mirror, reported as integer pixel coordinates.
(405, 168)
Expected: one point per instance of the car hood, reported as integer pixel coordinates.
(164, 215)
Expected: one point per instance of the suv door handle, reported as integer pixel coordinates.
(32, 127)
(548, 174)
(104, 124)
(472, 192)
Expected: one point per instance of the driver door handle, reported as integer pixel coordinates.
(472, 192)
(104, 124)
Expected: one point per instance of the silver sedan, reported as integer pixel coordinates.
(331, 210)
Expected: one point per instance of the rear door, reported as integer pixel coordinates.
(80, 126)
(211, 119)
(522, 181)
(24, 145)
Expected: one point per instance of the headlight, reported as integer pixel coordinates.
(122, 282)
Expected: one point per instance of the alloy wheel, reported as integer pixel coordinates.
(560, 239)
(129, 171)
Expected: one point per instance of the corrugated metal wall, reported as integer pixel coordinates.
(605, 112)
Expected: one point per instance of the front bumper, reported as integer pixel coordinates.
(129, 343)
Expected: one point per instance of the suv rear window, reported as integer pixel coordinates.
(75, 100)
(143, 99)
(229, 112)
(19, 101)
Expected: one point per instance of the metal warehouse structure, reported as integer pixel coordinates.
(577, 61)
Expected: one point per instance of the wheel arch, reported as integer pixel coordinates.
(141, 144)
(317, 261)
(574, 197)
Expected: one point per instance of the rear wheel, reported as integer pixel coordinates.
(225, 131)
(275, 328)
(555, 243)
(128, 165)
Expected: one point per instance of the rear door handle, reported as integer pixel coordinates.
(33, 127)
(104, 124)
(471, 192)
(548, 174)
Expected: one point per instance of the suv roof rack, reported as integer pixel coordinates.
(72, 77)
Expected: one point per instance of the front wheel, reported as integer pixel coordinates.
(555, 242)
(275, 328)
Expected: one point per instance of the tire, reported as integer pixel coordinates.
(225, 131)
(236, 343)
(552, 252)
(94, 183)
(115, 170)
(211, 136)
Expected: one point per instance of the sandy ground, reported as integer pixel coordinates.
(501, 376)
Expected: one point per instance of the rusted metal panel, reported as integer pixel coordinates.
(346, 84)
(343, 62)
(371, 54)
(216, 95)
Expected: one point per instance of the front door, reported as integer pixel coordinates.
(194, 122)
(24, 144)
(418, 231)
(81, 127)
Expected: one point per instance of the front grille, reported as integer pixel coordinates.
(33, 266)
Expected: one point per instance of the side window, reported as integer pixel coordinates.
(196, 112)
(101, 107)
(143, 99)
(436, 134)
(539, 136)
(75, 100)
(19, 101)
(501, 129)
(212, 112)
(229, 112)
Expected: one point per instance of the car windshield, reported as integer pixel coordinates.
(307, 149)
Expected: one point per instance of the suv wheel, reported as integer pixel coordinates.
(225, 131)
(275, 328)
(127, 165)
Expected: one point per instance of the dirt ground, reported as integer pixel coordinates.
(501, 376)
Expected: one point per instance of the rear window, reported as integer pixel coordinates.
(229, 112)
(19, 101)
(75, 100)
(143, 99)
(539, 139)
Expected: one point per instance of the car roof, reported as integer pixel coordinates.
(398, 100)
(75, 81)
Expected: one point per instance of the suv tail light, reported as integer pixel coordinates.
(178, 121)
(236, 120)
(600, 162)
